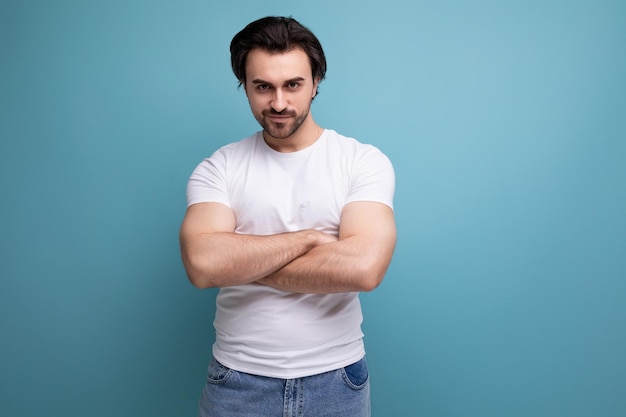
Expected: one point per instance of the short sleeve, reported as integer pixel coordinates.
(207, 183)
(373, 178)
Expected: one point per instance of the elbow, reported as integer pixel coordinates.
(370, 278)
(374, 268)
(199, 281)
(372, 273)
(197, 273)
(370, 283)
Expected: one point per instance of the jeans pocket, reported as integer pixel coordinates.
(218, 373)
(356, 375)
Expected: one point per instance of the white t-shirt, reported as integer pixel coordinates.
(262, 330)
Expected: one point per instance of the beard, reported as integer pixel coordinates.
(282, 130)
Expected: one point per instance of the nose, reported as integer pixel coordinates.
(278, 102)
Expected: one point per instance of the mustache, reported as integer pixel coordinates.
(273, 112)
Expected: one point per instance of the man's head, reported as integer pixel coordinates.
(280, 64)
(276, 35)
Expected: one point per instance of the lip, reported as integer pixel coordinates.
(279, 119)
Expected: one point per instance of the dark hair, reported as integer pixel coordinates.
(276, 34)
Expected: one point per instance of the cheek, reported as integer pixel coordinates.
(305, 101)
(256, 104)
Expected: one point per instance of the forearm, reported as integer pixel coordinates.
(352, 264)
(225, 259)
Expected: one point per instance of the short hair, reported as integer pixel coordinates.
(276, 34)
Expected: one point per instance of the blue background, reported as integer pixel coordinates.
(506, 123)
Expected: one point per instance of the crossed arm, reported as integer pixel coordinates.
(306, 261)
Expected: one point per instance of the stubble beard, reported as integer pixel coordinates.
(282, 130)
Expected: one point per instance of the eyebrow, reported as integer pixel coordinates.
(260, 81)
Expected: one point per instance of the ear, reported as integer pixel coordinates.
(316, 82)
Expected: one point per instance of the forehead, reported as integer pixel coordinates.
(277, 66)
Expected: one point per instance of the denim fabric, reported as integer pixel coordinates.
(344, 392)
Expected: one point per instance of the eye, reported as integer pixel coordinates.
(293, 85)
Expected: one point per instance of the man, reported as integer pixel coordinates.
(290, 223)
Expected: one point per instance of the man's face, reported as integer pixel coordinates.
(280, 89)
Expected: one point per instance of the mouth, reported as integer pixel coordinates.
(279, 117)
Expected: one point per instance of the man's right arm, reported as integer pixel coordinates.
(215, 256)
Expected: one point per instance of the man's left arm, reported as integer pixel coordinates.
(357, 261)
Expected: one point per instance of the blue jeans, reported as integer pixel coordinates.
(344, 392)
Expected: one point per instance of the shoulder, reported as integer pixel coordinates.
(241, 146)
(225, 156)
(231, 152)
(357, 150)
(348, 143)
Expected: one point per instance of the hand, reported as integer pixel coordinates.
(320, 238)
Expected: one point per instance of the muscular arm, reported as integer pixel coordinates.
(356, 262)
(215, 256)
